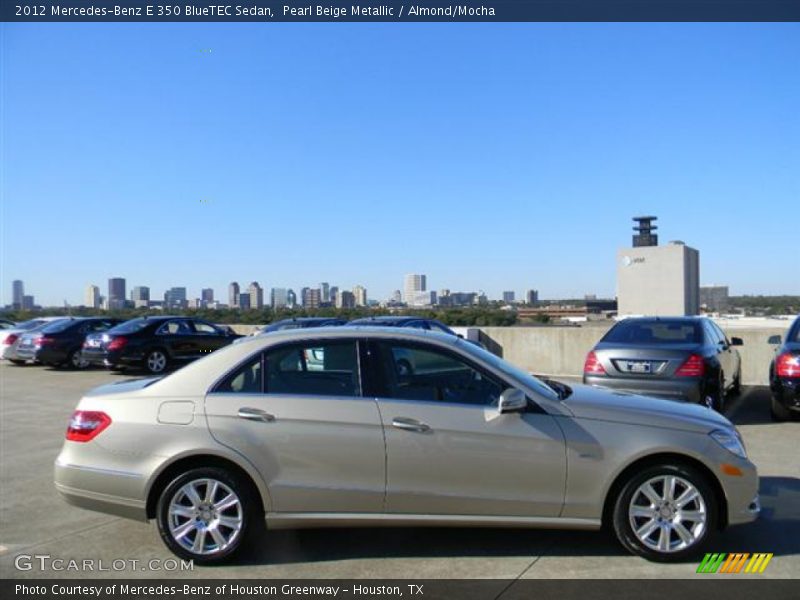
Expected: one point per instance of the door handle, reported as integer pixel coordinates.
(410, 424)
(255, 414)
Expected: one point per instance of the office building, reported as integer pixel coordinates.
(256, 293)
(278, 297)
(413, 284)
(334, 294)
(28, 303)
(714, 297)
(92, 298)
(116, 293)
(311, 297)
(243, 301)
(291, 298)
(508, 297)
(17, 292)
(360, 293)
(233, 295)
(345, 299)
(175, 298)
(325, 291)
(531, 296)
(657, 280)
(206, 297)
(140, 296)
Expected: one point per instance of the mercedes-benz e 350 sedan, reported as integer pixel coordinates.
(254, 434)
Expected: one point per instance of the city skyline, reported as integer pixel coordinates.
(282, 158)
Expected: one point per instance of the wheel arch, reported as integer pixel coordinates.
(662, 459)
(186, 463)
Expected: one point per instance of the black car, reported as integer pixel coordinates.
(680, 358)
(301, 323)
(406, 321)
(155, 343)
(784, 375)
(59, 343)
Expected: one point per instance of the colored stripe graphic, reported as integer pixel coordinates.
(711, 563)
(758, 563)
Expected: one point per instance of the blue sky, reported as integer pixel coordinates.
(490, 157)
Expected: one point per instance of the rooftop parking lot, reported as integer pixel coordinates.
(35, 403)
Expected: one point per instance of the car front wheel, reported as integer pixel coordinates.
(156, 361)
(665, 513)
(207, 514)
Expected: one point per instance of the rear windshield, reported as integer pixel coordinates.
(131, 326)
(30, 324)
(654, 332)
(59, 326)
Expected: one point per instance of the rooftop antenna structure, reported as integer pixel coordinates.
(644, 228)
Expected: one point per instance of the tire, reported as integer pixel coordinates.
(656, 531)
(19, 363)
(203, 532)
(737, 384)
(778, 411)
(715, 396)
(156, 361)
(75, 360)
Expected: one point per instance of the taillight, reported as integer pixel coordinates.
(117, 343)
(44, 341)
(592, 366)
(694, 366)
(85, 425)
(787, 365)
(10, 339)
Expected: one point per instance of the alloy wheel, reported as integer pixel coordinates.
(205, 517)
(668, 514)
(156, 361)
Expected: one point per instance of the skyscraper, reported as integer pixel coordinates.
(17, 292)
(92, 299)
(360, 293)
(532, 296)
(311, 297)
(233, 295)
(116, 293)
(508, 297)
(334, 295)
(175, 298)
(291, 299)
(140, 296)
(325, 292)
(278, 297)
(256, 296)
(206, 296)
(345, 299)
(413, 284)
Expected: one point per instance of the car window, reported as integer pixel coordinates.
(131, 326)
(246, 379)
(435, 326)
(58, 326)
(205, 328)
(662, 332)
(175, 328)
(328, 368)
(720, 334)
(413, 372)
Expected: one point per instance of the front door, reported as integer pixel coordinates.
(449, 451)
(297, 413)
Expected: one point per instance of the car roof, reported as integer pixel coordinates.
(386, 319)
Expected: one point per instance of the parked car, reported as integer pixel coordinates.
(10, 337)
(404, 321)
(6, 324)
(683, 358)
(300, 323)
(60, 343)
(155, 343)
(784, 374)
(247, 434)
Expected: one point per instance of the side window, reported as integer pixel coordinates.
(175, 328)
(712, 333)
(423, 373)
(205, 328)
(325, 368)
(720, 334)
(244, 380)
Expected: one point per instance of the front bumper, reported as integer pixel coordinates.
(682, 390)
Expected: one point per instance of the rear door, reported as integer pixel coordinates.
(178, 337)
(208, 337)
(297, 413)
(449, 451)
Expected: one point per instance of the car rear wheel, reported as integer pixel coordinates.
(665, 513)
(75, 360)
(207, 515)
(715, 395)
(156, 361)
(778, 411)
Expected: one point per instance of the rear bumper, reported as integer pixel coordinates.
(110, 359)
(787, 393)
(686, 390)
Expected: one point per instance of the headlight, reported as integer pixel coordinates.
(730, 440)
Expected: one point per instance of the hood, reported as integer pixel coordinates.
(588, 402)
(120, 387)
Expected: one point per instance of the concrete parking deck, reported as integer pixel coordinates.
(35, 403)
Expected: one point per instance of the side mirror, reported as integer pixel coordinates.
(735, 341)
(512, 400)
(774, 340)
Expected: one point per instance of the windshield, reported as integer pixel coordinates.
(660, 332)
(131, 326)
(510, 370)
(58, 326)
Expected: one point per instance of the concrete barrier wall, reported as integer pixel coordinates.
(561, 350)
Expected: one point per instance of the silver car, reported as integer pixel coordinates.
(252, 435)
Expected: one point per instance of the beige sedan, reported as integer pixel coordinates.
(324, 427)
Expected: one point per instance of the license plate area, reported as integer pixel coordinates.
(638, 366)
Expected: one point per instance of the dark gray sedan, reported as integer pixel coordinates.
(682, 358)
